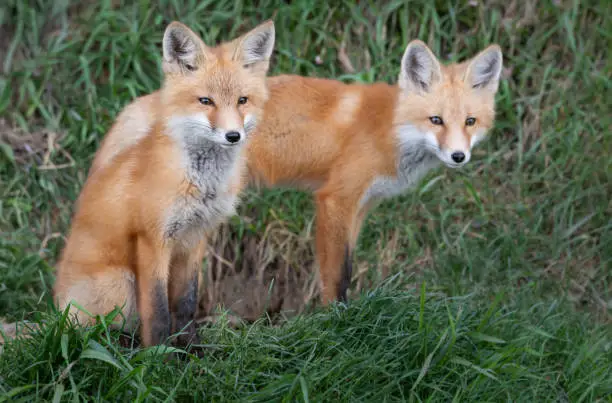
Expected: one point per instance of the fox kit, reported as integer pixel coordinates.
(354, 145)
(138, 234)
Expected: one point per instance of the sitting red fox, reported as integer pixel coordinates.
(354, 144)
(138, 233)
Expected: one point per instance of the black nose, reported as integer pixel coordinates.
(232, 137)
(458, 156)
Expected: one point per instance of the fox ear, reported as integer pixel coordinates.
(419, 69)
(182, 48)
(485, 68)
(256, 46)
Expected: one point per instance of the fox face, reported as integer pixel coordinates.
(215, 94)
(447, 109)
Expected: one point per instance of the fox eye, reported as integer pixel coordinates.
(470, 121)
(206, 101)
(436, 120)
(242, 100)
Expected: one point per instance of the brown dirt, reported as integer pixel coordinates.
(268, 273)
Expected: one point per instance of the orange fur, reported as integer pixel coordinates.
(138, 233)
(356, 144)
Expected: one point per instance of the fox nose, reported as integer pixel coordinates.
(232, 137)
(458, 156)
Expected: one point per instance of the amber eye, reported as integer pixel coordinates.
(206, 101)
(242, 100)
(470, 121)
(436, 120)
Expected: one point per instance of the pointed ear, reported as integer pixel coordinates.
(485, 68)
(420, 69)
(182, 49)
(256, 46)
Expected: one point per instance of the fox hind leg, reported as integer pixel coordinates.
(99, 294)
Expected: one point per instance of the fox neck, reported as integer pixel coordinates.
(208, 165)
(415, 154)
(209, 171)
(413, 160)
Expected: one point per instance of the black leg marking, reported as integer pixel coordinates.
(160, 323)
(347, 272)
(184, 312)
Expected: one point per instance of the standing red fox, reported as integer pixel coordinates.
(353, 144)
(138, 234)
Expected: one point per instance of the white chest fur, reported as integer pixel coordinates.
(412, 165)
(210, 169)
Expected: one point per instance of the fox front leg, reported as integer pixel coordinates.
(152, 280)
(184, 285)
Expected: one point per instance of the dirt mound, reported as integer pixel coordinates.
(256, 274)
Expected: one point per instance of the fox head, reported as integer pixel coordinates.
(215, 93)
(447, 109)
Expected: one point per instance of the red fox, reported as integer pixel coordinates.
(139, 230)
(354, 145)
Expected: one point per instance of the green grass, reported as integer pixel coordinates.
(385, 346)
(515, 248)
